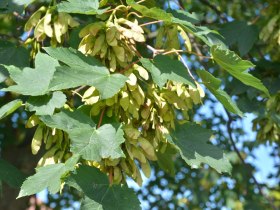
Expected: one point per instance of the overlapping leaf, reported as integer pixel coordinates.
(47, 177)
(45, 105)
(98, 192)
(33, 82)
(240, 33)
(91, 143)
(8, 53)
(163, 68)
(154, 12)
(237, 67)
(87, 7)
(82, 70)
(191, 141)
(68, 121)
(213, 84)
(184, 19)
(95, 144)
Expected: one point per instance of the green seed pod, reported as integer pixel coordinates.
(39, 31)
(37, 140)
(142, 72)
(32, 121)
(119, 52)
(92, 29)
(147, 147)
(125, 167)
(34, 19)
(117, 175)
(47, 26)
(111, 36)
(131, 132)
(110, 162)
(138, 154)
(98, 44)
(124, 101)
(146, 168)
(185, 37)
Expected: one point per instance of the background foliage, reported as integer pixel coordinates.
(250, 28)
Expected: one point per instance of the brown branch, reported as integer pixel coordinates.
(111, 178)
(101, 118)
(230, 134)
(181, 4)
(128, 67)
(215, 9)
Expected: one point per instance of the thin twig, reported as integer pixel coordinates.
(230, 134)
(186, 51)
(128, 66)
(150, 23)
(76, 91)
(215, 9)
(181, 4)
(185, 64)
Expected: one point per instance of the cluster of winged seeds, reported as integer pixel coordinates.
(147, 112)
(48, 23)
(112, 41)
(267, 126)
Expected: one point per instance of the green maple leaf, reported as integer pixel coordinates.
(87, 7)
(68, 121)
(191, 141)
(82, 70)
(237, 67)
(213, 84)
(8, 53)
(99, 194)
(163, 68)
(95, 144)
(33, 82)
(47, 177)
(91, 143)
(45, 105)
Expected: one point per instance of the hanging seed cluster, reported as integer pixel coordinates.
(56, 142)
(112, 41)
(146, 111)
(47, 23)
(147, 116)
(267, 126)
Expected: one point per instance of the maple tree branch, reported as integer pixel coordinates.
(230, 135)
(101, 118)
(215, 9)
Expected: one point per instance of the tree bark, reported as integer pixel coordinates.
(22, 158)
